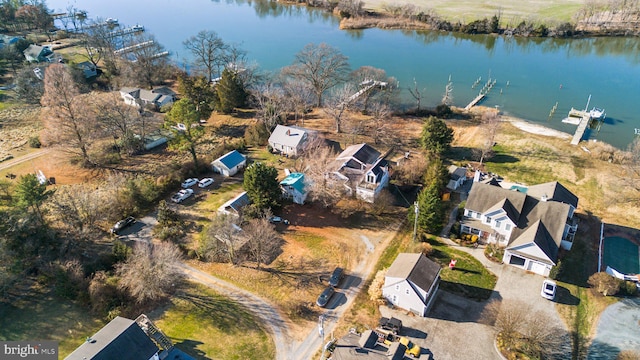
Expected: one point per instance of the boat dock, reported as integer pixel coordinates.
(133, 47)
(127, 31)
(475, 101)
(368, 85)
(582, 127)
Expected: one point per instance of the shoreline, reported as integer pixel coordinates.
(534, 128)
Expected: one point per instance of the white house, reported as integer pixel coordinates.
(293, 187)
(532, 223)
(458, 176)
(123, 339)
(411, 283)
(157, 97)
(230, 163)
(290, 140)
(234, 206)
(364, 170)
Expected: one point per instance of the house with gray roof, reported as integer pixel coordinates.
(234, 206)
(411, 283)
(37, 53)
(366, 346)
(458, 176)
(290, 140)
(532, 223)
(363, 170)
(157, 97)
(293, 187)
(121, 339)
(230, 163)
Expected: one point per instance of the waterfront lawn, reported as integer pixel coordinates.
(203, 323)
(39, 314)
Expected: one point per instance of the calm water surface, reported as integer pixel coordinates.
(539, 72)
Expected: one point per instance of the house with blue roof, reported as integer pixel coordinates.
(230, 163)
(293, 188)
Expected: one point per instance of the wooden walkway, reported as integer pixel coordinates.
(582, 127)
(370, 85)
(475, 101)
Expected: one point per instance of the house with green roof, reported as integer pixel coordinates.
(293, 187)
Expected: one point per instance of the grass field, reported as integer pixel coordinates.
(207, 325)
(511, 12)
(40, 315)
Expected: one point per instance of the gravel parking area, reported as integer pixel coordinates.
(617, 330)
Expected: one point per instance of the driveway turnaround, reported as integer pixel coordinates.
(617, 330)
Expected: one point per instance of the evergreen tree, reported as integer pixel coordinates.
(436, 136)
(430, 211)
(261, 184)
(199, 92)
(184, 122)
(31, 194)
(230, 92)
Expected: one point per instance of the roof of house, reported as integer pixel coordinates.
(295, 180)
(353, 346)
(457, 172)
(290, 136)
(120, 339)
(237, 203)
(86, 65)
(416, 268)
(553, 191)
(360, 154)
(33, 50)
(536, 242)
(231, 159)
(155, 95)
(538, 221)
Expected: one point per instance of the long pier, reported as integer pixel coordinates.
(126, 31)
(582, 127)
(368, 85)
(127, 49)
(475, 101)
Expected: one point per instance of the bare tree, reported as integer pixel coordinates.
(299, 96)
(632, 166)
(78, 208)
(489, 126)
(318, 168)
(118, 119)
(380, 123)
(148, 63)
(151, 272)
(447, 98)
(223, 239)
(210, 53)
(67, 119)
(416, 93)
(271, 102)
(99, 43)
(412, 170)
(338, 103)
(262, 239)
(321, 67)
(365, 75)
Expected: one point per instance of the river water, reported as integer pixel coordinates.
(531, 74)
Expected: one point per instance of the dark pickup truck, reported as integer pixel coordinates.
(394, 325)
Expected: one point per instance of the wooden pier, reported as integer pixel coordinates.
(127, 49)
(582, 127)
(127, 31)
(368, 85)
(475, 101)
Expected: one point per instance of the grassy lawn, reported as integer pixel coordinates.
(207, 325)
(40, 315)
(469, 278)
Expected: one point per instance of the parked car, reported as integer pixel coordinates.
(189, 183)
(277, 220)
(205, 182)
(548, 289)
(326, 295)
(336, 277)
(122, 224)
(181, 195)
(392, 324)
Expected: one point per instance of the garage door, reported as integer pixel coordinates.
(537, 267)
(516, 260)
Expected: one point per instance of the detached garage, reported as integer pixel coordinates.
(230, 163)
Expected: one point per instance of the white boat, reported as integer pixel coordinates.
(597, 113)
(111, 21)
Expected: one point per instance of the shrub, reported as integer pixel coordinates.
(556, 271)
(103, 293)
(443, 111)
(34, 142)
(494, 253)
(628, 355)
(427, 249)
(628, 288)
(256, 134)
(604, 283)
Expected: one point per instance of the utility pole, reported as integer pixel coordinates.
(321, 331)
(416, 211)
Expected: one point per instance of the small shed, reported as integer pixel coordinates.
(230, 163)
(458, 175)
(235, 205)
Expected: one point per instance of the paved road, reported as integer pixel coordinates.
(13, 162)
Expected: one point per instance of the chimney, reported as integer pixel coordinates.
(288, 132)
(544, 197)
